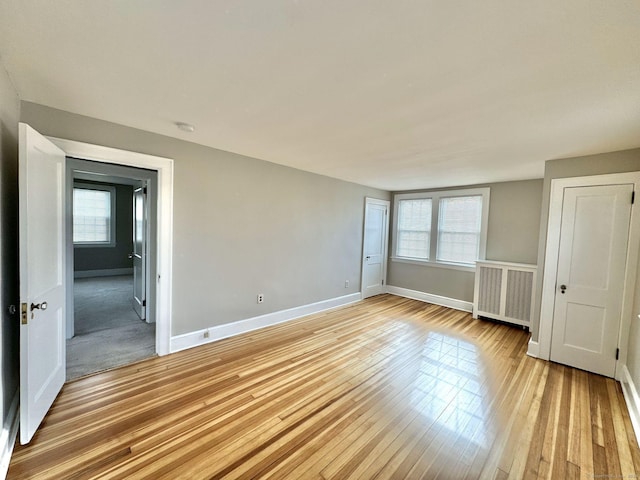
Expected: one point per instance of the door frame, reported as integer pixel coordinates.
(387, 203)
(164, 221)
(551, 260)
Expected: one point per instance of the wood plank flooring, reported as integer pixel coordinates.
(388, 388)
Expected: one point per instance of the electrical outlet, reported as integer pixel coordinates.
(206, 334)
(346, 284)
(260, 297)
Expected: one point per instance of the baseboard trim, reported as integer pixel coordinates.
(633, 400)
(218, 332)
(9, 435)
(111, 272)
(533, 350)
(431, 298)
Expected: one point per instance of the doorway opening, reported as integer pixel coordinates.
(112, 252)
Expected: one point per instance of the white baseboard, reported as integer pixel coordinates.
(633, 400)
(9, 435)
(533, 350)
(218, 332)
(111, 272)
(431, 298)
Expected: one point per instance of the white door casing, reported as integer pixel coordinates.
(139, 254)
(590, 276)
(540, 347)
(164, 264)
(374, 250)
(42, 277)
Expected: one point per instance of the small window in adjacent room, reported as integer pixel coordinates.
(447, 228)
(93, 215)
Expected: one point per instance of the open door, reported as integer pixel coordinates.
(42, 277)
(139, 254)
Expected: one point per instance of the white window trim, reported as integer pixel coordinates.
(112, 219)
(435, 197)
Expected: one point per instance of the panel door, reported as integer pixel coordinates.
(42, 277)
(590, 281)
(376, 233)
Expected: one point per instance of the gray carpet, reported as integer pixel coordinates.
(108, 333)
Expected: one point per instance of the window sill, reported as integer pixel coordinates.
(428, 263)
(94, 245)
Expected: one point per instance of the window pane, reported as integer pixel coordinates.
(91, 215)
(459, 223)
(414, 228)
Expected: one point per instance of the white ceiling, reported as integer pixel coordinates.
(395, 94)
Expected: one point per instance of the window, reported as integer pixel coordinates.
(459, 228)
(445, 228)
(414, 228)
(93, 215)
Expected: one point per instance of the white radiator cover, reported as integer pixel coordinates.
(504, 291)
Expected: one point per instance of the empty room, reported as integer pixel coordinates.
(319, 240)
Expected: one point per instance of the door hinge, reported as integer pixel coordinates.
(383, 281)
(144, 303)
(633, 197)
(24, 310)
(617, 353)
(144, 190)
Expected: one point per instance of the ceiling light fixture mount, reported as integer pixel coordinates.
(185, 127)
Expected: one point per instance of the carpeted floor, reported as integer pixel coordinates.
(108, 333)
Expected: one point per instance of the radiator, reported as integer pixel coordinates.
(504, 291)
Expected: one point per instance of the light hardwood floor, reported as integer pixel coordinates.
(385, 388)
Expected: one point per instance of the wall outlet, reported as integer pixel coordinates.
(260, 297)
(346, 284)
(205, 334)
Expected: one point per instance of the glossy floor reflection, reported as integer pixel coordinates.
(455, 390)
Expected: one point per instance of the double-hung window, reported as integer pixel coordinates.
(93, 215)
(414, 228)
(447, 228)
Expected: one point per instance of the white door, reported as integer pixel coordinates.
(42, 277)
(139, 254)
(376, 234)
(590, 280)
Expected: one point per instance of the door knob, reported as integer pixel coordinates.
(367, 257)
(563, 288)
(42, 306)
(130, 256)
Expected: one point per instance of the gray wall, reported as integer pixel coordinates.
(107, 258)
(9, 280)
(613, 162)
(512, 236)
(241, 226)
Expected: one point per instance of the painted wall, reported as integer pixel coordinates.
(241, 226)
(612, 162)
(107, 258)
(512, 236)
(9, 280)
